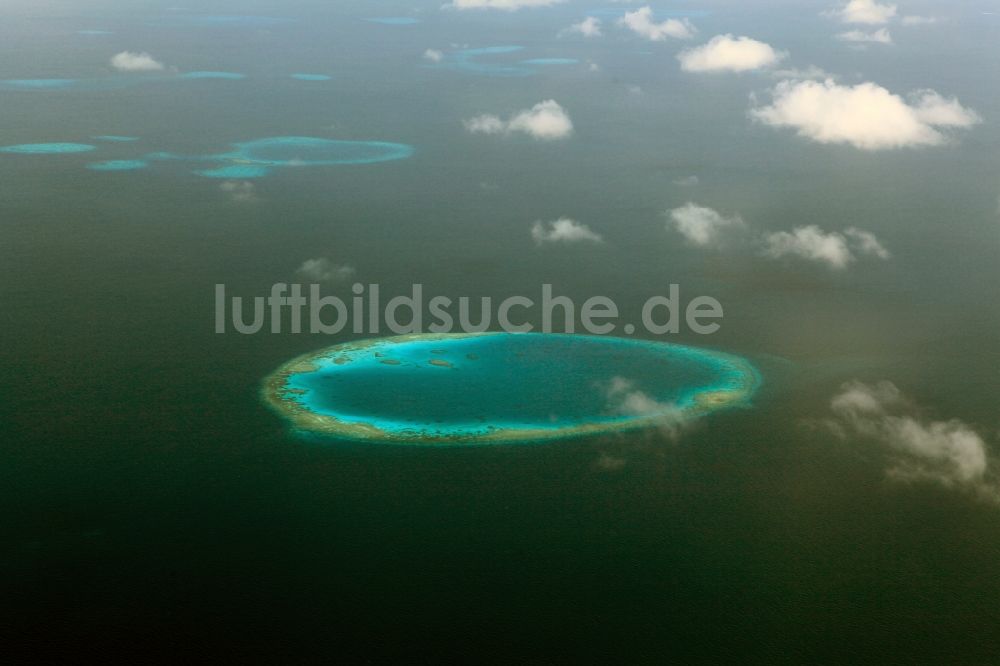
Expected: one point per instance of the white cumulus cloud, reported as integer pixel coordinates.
(704, 227)
(866, 242)
(865, 11)
(545, 121)
(563, 230)
(641, 23)
(325, 270)
(934, 109)
(880, 36)
(433, 55)
(133, 61)
(588, 27)
(485, 124)
(836, 250)
(726, 53)
(950, 452)
(866, 115)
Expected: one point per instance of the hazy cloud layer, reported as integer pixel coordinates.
(726, 53)
(545, 121)
(866, 116)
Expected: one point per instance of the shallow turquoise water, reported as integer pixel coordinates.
(498, 386)
(235, 171)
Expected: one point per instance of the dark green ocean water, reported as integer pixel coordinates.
(149, 500)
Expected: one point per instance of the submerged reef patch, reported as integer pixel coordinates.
(310, 77)
(224, 20)
(482, 61)
(37, 84)
(394, 20)
(488, 388)
(230, 76)
(48, 148)
(471, 61)
(118, 165)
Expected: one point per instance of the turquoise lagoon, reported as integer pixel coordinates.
(251, 159)
(255, 159)
(111, 82)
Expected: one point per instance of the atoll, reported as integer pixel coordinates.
(488, 388)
